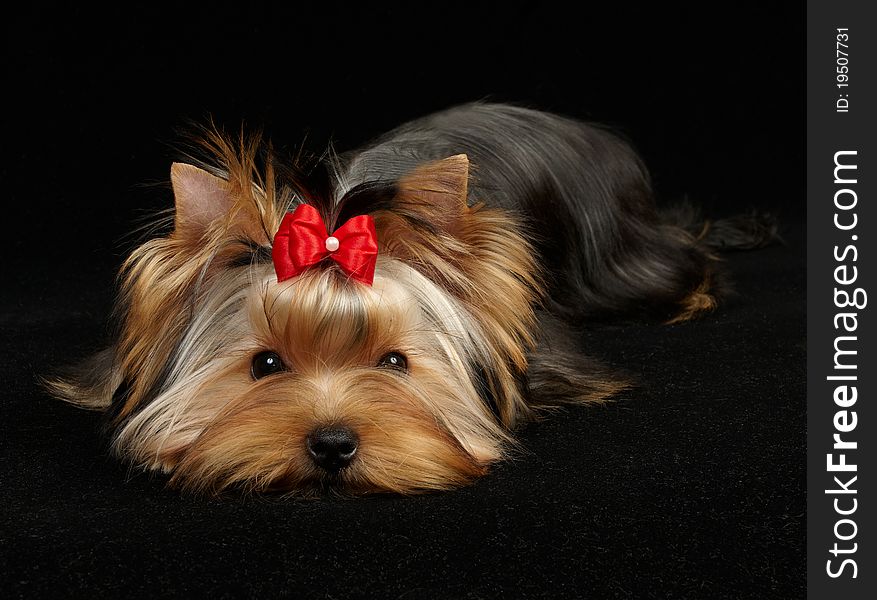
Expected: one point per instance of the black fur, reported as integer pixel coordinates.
(606, 249)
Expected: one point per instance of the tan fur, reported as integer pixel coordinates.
(698, 302)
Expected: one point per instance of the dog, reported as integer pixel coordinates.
(382, 320)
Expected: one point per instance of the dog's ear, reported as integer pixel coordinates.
(430, 224)
(201, 199)
(428, 211)
(206, 204)
(437, 191)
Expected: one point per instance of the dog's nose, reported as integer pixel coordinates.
(332, 447)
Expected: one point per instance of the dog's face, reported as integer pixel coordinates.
(225, 377)
(321, 380)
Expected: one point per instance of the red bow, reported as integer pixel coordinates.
(302, 241)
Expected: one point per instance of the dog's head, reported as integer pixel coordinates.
(224, 377)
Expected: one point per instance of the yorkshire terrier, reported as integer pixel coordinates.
(381, 321)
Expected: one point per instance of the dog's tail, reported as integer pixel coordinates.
(741, 232)
(707, 238)
(748, 231)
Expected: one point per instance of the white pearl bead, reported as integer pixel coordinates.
(332, 244)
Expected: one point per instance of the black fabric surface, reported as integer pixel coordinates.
(688, 486)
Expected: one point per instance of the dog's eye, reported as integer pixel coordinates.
(394, 360)
(266, 363)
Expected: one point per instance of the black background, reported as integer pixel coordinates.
(690, 486)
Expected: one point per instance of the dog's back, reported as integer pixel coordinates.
(584, 193)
